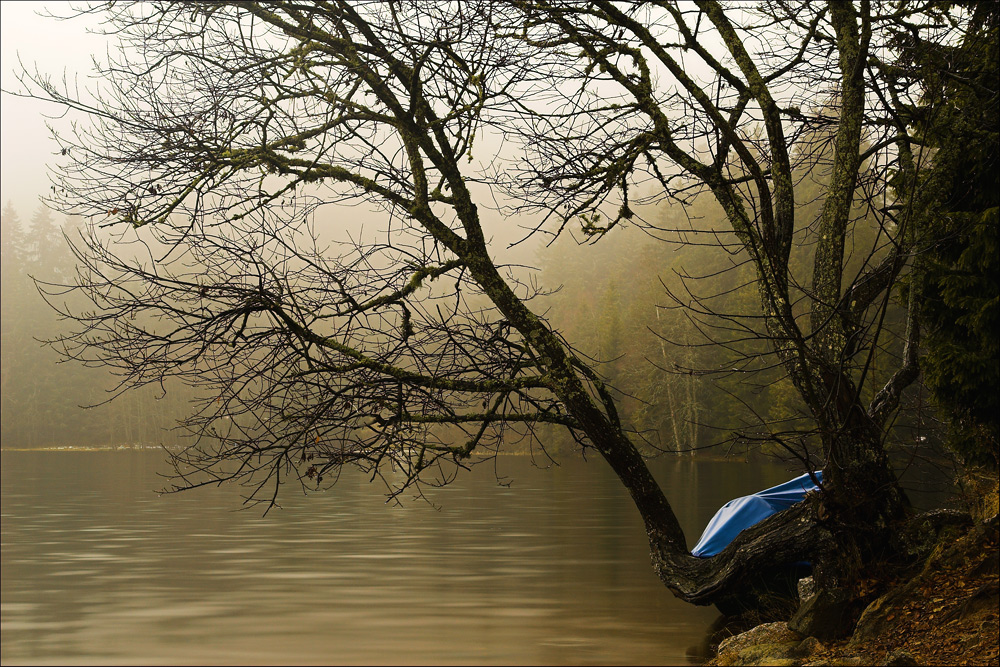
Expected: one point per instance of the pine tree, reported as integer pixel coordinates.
(960, 119)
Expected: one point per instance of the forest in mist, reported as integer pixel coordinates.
(48, 401)
(687, 381)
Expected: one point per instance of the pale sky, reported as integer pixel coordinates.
(57, 47)
(65, 48)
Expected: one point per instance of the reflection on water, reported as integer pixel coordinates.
(554, 569)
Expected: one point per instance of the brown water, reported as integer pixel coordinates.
(96, 568)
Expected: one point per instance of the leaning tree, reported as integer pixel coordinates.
(222, 131)
(742, 103)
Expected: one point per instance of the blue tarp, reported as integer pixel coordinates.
(739, 514)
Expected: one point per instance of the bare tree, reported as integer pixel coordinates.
(223, 129)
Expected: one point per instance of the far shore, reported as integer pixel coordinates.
(176, 448)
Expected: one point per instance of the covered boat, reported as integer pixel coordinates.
(739, 514)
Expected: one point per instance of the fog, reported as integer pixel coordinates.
(57, 47)
(64, 50)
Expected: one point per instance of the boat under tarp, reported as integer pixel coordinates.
(739, 514)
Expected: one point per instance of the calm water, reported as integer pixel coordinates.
(97, 568)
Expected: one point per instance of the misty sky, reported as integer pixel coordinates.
(57, 47)
(65, 48)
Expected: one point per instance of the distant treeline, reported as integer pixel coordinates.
(41, 397)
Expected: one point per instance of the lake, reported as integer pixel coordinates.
(553, 569)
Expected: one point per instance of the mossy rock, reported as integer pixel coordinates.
(785, 653)
(768, 633)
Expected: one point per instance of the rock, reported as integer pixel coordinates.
(809, 646)
(900, 658)
(876, 617)
(826, 615)
(768, 633)
(769, 654)
(807, 588)
(721, 629)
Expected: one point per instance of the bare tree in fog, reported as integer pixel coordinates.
(222, 130)
(225, 129)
